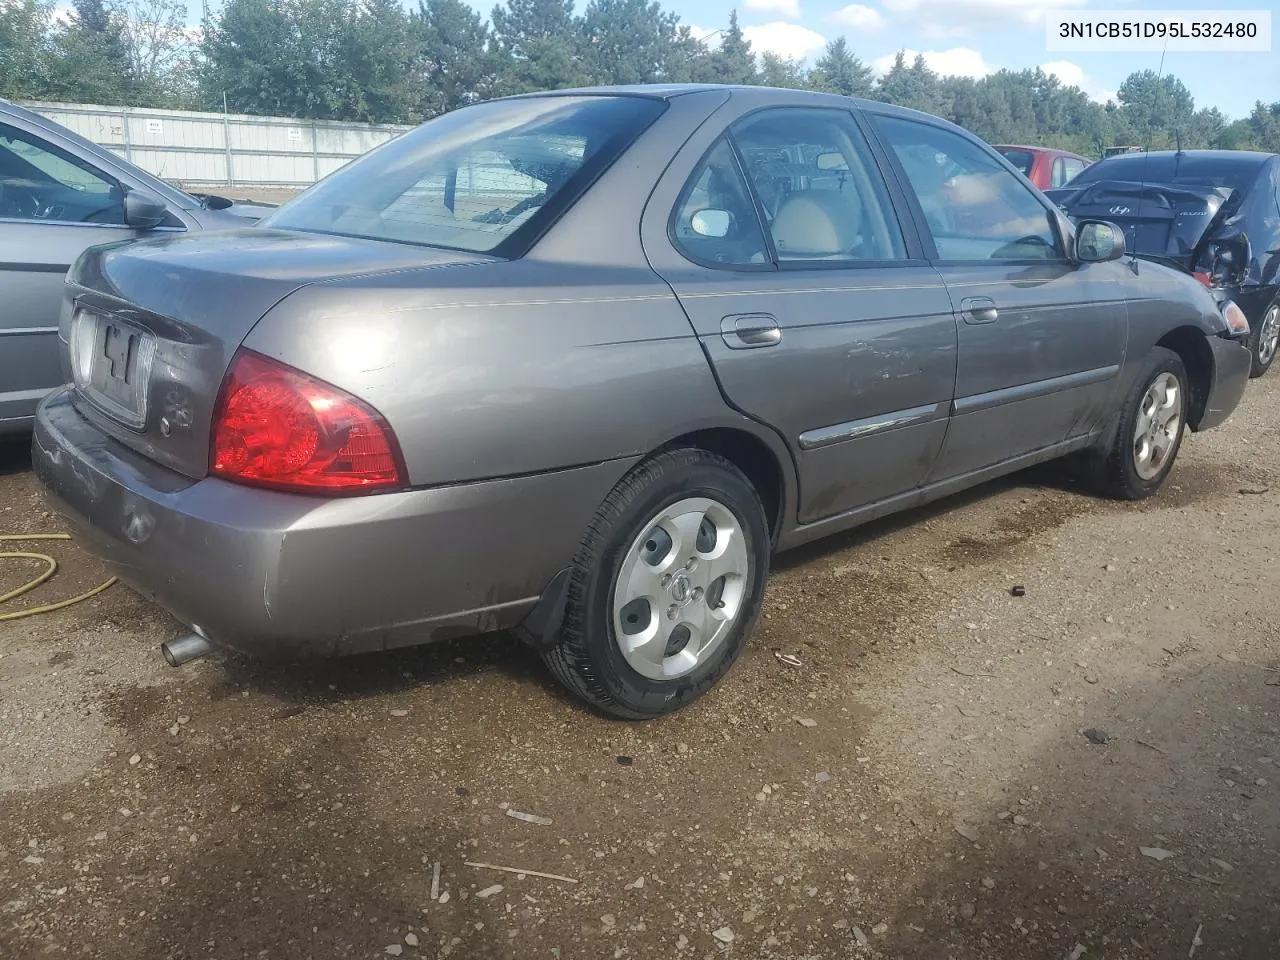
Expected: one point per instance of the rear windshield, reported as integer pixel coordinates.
(1022, 159)
(1236, 172)
(485, 179)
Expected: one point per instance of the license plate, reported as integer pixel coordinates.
(119, 368)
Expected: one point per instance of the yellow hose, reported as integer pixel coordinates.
(51, 567)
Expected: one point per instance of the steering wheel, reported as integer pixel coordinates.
(18, 202)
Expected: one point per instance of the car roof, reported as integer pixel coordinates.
(1058, 151)
(763, 96)
(1237, 158)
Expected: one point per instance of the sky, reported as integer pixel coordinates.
(976, 37)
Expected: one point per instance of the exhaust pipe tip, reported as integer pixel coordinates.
(185, 649)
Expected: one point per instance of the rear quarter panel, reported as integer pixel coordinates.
(504, 369)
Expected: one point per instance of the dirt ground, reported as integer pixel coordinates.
(944, 802)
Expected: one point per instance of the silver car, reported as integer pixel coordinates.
(59, 194)
(578, 364)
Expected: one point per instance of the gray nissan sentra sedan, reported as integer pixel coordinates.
(577, 364)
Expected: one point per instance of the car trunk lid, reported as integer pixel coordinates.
(1165, 220)
(152, 326)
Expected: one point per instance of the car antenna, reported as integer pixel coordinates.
(1146, 156)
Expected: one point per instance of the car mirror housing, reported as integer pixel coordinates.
(143, 210)
(711, 223)
(1098, 241)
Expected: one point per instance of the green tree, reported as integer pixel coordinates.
(1155, 107)
(732, 61)
(839, 71)
(1263, 127)
(160, 54)
(91, 59)
(914, 86)
(777, 71)
(375, 52)
(537, 40)
(25, 58)
(328, 59)
(455, 64)
(629, 41)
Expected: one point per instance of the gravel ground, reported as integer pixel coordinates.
(926, 783)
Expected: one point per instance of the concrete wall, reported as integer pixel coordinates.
(212, 149)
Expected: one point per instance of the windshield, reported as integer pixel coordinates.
(485, 179)
(1022, 159)
(1236, 172)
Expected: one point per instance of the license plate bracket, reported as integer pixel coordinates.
(120, 372)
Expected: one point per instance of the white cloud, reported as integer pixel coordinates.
(784, 8)
(1073, 75)
(788, 40)
(966, 13)
(956, 62)
(857, 16)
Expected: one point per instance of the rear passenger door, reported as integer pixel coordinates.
(815, 306)
(1041, 337)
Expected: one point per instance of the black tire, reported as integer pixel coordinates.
(1117, 473)
(1261, 365)
(588, 659)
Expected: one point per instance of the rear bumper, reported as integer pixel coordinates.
(277, 574)
(1231, 364)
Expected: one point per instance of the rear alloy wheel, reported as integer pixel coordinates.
(1149, 431)
(1264, 341)
(666, 586)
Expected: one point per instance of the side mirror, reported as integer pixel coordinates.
(711, 223)
(1098, 241)
(143, 210)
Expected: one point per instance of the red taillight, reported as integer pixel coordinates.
(1203, 277)
(274, 426)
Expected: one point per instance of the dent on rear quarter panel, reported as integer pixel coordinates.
(500, 369)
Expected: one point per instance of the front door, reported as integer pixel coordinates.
(814, 305)
(52, 206)
(1041, 336)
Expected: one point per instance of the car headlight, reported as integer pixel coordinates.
(1237, 322)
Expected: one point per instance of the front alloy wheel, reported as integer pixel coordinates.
(1158, 427)
(1137, 452)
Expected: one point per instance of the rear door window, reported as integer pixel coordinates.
(1023, 160)
(820, 192)
(715, 222)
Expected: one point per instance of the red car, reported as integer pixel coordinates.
(1044, 166)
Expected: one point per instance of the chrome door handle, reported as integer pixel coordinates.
(746, 331)
(979, 310)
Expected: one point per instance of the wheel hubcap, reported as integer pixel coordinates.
(1269, 335)
(1158, 425)
(681, 588)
